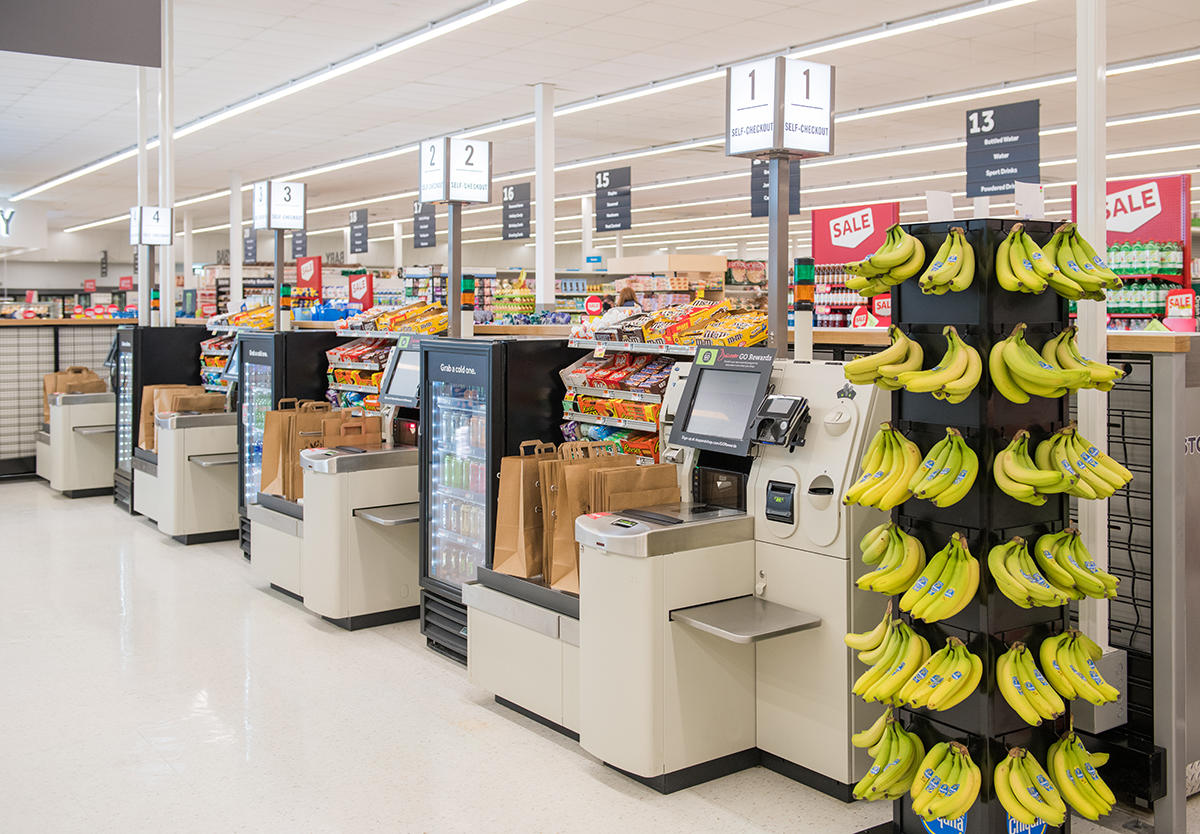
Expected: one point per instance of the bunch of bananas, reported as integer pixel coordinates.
(1025, 790)
(1018, 577)
(898, 754)
(889, 463)
(868, 640)
(1063, 351)
(1021, 266)
(900, 558)
(1073, 769)
(1097, 475)
(952, 268)
(899, 258)
(1068, 566)
(952, 379)
(1018, 475)
(1024, 687)
(1019, 371)
(947, 473)
(947, 782)
(945, 680)
(946, 584)
(882, 368)
(900, 653)
(1069, 660)
(1081, 273)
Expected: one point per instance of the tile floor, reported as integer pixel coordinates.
(149, 686)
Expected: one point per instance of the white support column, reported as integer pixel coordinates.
(620, 252)
(235, 241)
(587, 222)
(144, 276)
(189, 252)
(543, 151)
(346, 256)
(166, 160)
(1091, 146)
(397, 249)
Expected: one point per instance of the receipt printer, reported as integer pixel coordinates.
(780, 503)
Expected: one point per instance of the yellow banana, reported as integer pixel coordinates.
(1002, 380)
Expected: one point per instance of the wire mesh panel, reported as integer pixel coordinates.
(26, 355)
(86, 346)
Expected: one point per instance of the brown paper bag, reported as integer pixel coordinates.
(205, 402)
(76, 379)
(574, 500)
(549, 473)
(146, 438)
(642, 486)
(518, 545)
(277, 429)
(341, 429)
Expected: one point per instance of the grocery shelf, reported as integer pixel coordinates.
(346, 386)
(356, 366)
(216, 389)
(1131, 315)
(610, 394)
(459, 494)
(235, 328)
(215, 352)
(635, 347)
(615, 422)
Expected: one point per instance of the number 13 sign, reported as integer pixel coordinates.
(779, 106)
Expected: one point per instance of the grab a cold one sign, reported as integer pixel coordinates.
(779, 106)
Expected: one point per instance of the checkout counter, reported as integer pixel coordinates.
(195, 474)
(709, 635)
(349, 549)
(75, 449)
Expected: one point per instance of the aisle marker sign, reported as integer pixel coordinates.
(779, 107)
(614, 200)
(470, 172)
(515, 211)
(760, 184)
(358, 231)
(249, 246)
(299, 244)
(424, 226)
(276, 204)
(1003, 146)
(150, 226)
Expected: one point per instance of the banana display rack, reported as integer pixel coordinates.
(983, 723)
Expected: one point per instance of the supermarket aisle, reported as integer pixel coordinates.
(150, 686)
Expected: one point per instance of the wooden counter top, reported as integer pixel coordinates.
(1119, 342)
(64, 322)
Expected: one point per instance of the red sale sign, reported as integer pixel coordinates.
(308, 273)
(125, 282)
(852, 233)
(881, 307)
(593, 305)
(362, 290)
(1181, 304)
(89, 284)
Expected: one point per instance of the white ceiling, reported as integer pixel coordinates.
(57, 115)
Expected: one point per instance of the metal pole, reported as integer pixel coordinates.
(189, 252)
(454, 267)
(587, 221)
(145, 273)
(278, 278)
(166, 161)
(397, 249)
(235, 241)
(777, 267)
(543, 153)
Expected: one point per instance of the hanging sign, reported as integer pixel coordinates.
(779, 106)
(276, 204)
(470, 171)
(299, 244)
(841, 235)
(362, 290)
(89, 284)
(125, 282)
(614, 204)
(358, 231)
(1003, 146)
(308, 274)
(515, 210)
(760, 182)
(431, 176)
(150, 226)
(103, 263)
(424, 226)
(249, 246)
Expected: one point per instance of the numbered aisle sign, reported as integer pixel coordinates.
(249, 245)
(470, 171)
(150, 226)
(779, 107)
(276, 204)
(760, 185)
(515, 210)
(358, 231)
(614, 201)
(424, 226)
(1003, 146)
(299, 244)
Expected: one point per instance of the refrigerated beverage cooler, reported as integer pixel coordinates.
(480, 398)
(271, 367)
(146, 356)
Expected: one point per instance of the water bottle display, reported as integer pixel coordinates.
(256, 402)
(459, 479)
(125, 409)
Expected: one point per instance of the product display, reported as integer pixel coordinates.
(899, 556)
(952, 268)
(1073, 770)
(1025, 790)
(898, 758)
(946, 679)
(889, 464)
(946, 585)
(899, 258)
(947, 783)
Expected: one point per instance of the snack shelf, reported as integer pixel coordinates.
(615, 422)
(345, 386)
(635, 347)
(235, 328)
(611, 394)
(216, 389)
(356, 366)
(355, 333)
(215, 352)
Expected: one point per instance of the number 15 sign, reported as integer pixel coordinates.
(778, 106)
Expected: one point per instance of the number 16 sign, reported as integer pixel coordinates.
(779, 107)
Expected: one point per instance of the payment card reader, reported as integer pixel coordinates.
(782, 421)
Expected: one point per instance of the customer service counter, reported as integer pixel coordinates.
(75, 449)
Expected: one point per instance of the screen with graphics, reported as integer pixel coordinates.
(722, 403)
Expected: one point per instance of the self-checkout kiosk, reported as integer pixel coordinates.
(75, 450)
(353, 558)
(196, 474)
(710, 633)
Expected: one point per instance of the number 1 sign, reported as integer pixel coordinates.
(779, 107)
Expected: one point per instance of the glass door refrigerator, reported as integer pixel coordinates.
(480, 398)
(272, 366)
(146, 356)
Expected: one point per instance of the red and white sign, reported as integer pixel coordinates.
(111, 309)
(362, 290)
(125, 282)
(1181, 304)
(308, 273)
(29, 314)
(1129, 209)
(89, 284)
(30, 296)
(860, 316)
(78, 310)
(852, 233)
(881, 306)
(593, 305)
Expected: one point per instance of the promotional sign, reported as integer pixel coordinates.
(299, 244)
(249, 246)
(593, 305)
(515, 211)
(760, 183)
(779, 106)
(30, 296)
(841, 235)
(276, 204)
(614, 202)
(424, 226)
(89, 284)
(362, 289)
(308, 274)
(358, 231)
(470, 175)
(431, 171)
(150, 226)
(1181, 311)
(125, 282)
(881, 308)
(1140, 211)
(1003, 146)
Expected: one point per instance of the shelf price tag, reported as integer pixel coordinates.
(779, 107)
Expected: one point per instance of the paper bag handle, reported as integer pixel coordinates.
(535, 447)
(290, 404)
(76, 369)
